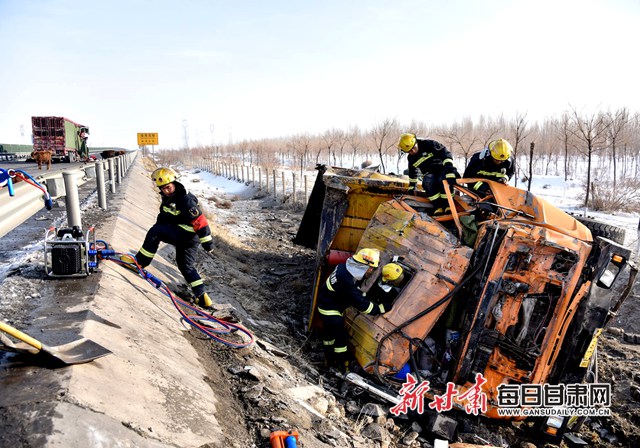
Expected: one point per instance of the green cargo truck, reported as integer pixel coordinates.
(66, 139)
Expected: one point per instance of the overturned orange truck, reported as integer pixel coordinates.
(507, 285)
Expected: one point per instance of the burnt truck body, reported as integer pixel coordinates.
(66, 139)
(507, 285)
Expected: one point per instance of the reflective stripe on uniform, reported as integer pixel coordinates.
(196, 283)
(204, 239)
(187, 228)
(422, 159)
(494, 174)
(340, 349)
(329, 312)
(369, 309)
(146, 253)
(329, 287)
(447, 161)
(331, 342)
(170, 210)
(435, 196)
(450, 175)
(381, 308)
(477, 185)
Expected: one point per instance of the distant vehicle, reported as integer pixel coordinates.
(66, 139)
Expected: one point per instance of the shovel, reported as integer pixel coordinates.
(76, 352)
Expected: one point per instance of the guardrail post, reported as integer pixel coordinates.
(102, 195)
(112, 176)
(71, 199)
(118, 162)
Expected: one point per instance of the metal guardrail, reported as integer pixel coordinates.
(28, 200)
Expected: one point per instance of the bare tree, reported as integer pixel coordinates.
(341, 142)
(618, 124)
(463, 136)
(519, 127)
(383, 136)
(301, 149)
(354, 138)
(591, 130)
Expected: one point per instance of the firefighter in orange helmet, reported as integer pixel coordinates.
(182, 224)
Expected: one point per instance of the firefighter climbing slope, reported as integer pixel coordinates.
(181, 224)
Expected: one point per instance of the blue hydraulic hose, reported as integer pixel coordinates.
(48, 203)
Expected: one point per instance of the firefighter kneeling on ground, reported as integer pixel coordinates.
(340, 291)
(181, 224)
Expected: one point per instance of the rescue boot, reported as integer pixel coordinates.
(204, 301)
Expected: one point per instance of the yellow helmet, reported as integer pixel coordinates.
(163, 176)
(500, 149)
(369, 257)
(391, 272)
(407, 142)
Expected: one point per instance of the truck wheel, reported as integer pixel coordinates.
(613, 233)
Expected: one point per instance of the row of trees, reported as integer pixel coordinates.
(604, 146)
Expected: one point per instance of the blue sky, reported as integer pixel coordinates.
(233, 70)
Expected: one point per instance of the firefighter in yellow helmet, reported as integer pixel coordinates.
(435, 162)
(341, 290)
(495, 162)
(181, 224)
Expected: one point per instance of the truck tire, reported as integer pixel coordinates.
(598, 228)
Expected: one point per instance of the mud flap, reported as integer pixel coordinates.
(309, 229)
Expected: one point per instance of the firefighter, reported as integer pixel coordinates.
(435, 162)
(495, 162)
(182, 224)
(389, 286)
(341, 290)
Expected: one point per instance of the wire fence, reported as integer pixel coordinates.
(284, 185)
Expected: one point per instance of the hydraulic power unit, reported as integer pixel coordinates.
(70, 252)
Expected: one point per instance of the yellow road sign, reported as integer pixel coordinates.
(147, 138)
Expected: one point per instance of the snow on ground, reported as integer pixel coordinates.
(204, 184)
(566, 196)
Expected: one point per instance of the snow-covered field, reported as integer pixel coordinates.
(566, 196)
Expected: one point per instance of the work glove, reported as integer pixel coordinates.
(208, 246)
